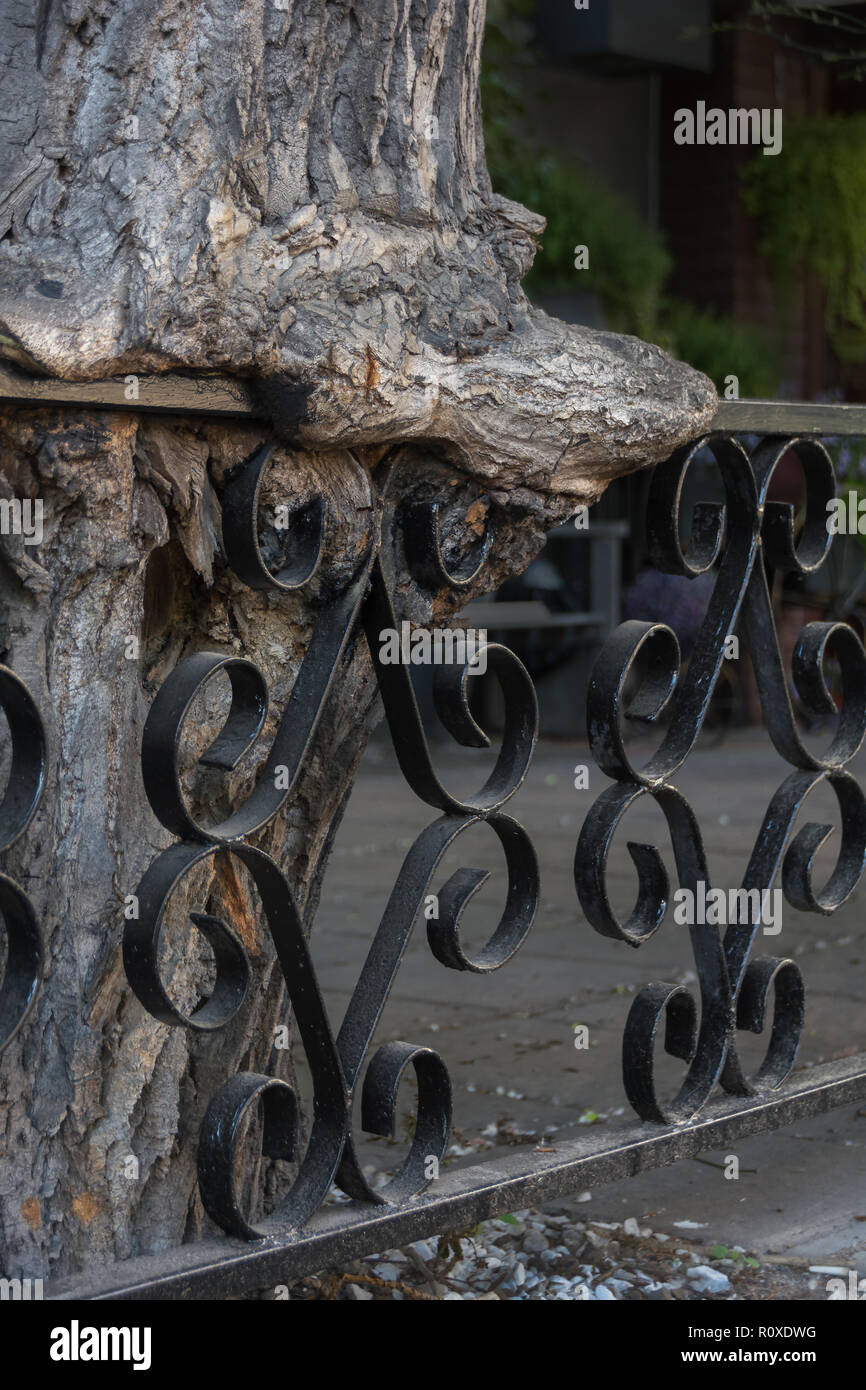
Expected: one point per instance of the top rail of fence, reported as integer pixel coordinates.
(173, 393)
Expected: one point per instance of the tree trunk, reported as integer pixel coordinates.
(294, 192)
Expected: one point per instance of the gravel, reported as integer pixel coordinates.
(557, 1255)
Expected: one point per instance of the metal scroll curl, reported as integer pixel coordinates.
(638, 673)
(339, 1062)
(23, 971)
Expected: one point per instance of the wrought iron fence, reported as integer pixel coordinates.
(23, 965)
(639, 665)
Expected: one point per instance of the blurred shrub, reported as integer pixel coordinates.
(628, 261)
(810, 202)
(720, 347)
(849, 463)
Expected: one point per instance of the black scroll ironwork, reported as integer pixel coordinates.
(336, 1062)
(23, 971)
(741, 537)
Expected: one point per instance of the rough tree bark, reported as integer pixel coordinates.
(293, 191)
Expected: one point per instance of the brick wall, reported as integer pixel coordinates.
(712, 239)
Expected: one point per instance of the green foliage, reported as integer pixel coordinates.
(721, 1252)
(720, 347)
(810, 202)
(849, 464)
(507, 48)
(628, 261)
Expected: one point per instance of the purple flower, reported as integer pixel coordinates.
(673, 599)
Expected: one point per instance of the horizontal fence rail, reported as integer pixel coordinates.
(172, 393)
(638, 674)
(340, 1233)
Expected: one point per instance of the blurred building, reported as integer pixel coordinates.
(601, 89)
(605, 88)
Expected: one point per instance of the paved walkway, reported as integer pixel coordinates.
(508, 1038)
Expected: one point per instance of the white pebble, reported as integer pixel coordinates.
(424, 1250)
(708, 1280)
(619, 1286)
